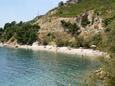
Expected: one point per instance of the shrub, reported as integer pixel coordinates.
(25, 33)
(85, 21)
(29, 34)
(60, 3)
(46, 38)
(43, 38)
(105, 78)
(62, 39)
(70, 28)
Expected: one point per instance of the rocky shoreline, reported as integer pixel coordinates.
(66, 50)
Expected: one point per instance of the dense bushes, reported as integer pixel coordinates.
(61, 3)
(108, 21)
(1, 31)
(108, 45)
(108, 38)
(46, 38)
(109, 67)
(105, 76)
(70, 28)
(85, 21)
(76, 9)
(24, 33)
(62, 39)
(27, 34)
(55, 38)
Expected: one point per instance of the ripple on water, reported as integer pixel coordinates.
(20, 67)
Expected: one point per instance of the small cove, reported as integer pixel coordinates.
(20, 67)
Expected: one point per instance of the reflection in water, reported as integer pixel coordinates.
(20, 67)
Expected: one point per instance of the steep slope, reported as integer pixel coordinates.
(102, 6)
(81, 24)
(92, 17)
(51, 24)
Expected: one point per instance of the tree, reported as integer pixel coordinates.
(27, 33)
(85, 21)
(60, 3)
(70, 28)
(24, 33)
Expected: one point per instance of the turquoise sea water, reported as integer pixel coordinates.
(20, 67)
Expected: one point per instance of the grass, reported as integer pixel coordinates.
(84, 5)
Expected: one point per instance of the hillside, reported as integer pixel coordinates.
(102, 7)
(92, 22)
(83, 24)
(71, 24)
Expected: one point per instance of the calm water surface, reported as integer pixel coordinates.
(20, 67)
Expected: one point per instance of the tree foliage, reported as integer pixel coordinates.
(70, 28)
(24, 33)
(60, 3)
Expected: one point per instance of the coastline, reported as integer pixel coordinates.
(64, 50)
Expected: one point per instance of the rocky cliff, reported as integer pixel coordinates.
(50, 24)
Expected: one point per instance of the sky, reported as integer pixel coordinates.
(24, 10)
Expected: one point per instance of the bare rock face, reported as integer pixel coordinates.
(53, 24)
(101, 74)
(94, 25)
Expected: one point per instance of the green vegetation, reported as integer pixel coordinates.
(106, 42)
(101, 7)
(62, 39)
(85, 21)
(104, 76)
(70, 28)
(24, 33)
(60, 4)
(29, 34)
